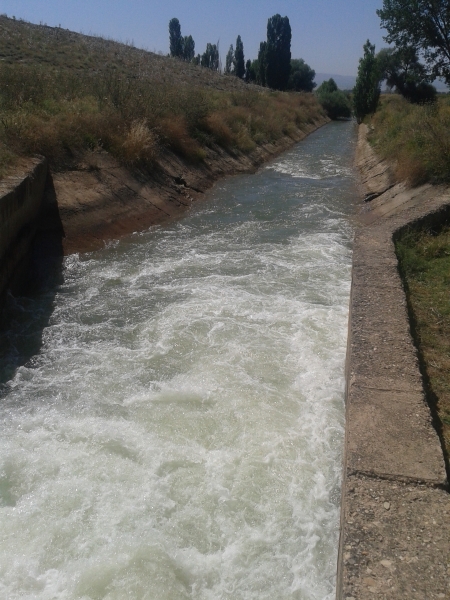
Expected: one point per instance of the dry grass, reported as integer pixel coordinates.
(62, 93)
(416, 138)
(139, 144)
(425, 264)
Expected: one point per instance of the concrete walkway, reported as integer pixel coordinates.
(395, 536)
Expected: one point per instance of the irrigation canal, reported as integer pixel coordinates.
(171, 409)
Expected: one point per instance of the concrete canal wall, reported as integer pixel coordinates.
(21, 202)
(395, 519)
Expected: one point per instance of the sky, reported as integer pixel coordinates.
(327, 34)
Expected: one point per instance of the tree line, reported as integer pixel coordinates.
(418, 29)
(274, 67)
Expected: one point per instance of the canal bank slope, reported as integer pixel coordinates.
(99, 199)
(395, 519)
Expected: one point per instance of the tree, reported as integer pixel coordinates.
(229, 60)
(248, 72)
(335, 102)
(252, 71)
(188, 48)
(367, 89)
(327, 87)
(302, 76)
(402, 70)
(262, 64)
(175, 39)
(278, 52)
(239, 62)
(423, 24)
(210, 58)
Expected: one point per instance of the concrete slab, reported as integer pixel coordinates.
(395, 541)
(395, 525)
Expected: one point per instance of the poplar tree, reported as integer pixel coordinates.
(239, 62)
(367, 89)
(262, 64)
(249, 76)
(278, 52)
(175, 39)
(229, 60)
(210, 58)
(188, 48)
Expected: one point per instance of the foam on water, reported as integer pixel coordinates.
(179, 433)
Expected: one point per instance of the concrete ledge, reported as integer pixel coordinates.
(395, 525)
(21, 201)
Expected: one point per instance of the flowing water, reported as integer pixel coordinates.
(178, 433)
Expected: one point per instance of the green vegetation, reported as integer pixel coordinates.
(62, 94)
(422, 25)
(424, 259)
(180, 47)
(273, 65)
(415, 138)
(402, 70)
(412, 129)
(239, 61)
(278, 52)
(416, 27)
(367, 89)
(336, 103)
(235, 62)
(301, 78)
(210, 58)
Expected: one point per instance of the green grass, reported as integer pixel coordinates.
(424, 260)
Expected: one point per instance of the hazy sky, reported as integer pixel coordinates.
(327, 34)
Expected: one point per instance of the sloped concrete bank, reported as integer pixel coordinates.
(97, 199)
(395, 519)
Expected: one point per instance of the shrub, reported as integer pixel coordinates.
(415, 137)
(139, 145)
(335, 102)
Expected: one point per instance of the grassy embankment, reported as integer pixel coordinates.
(62, 94)
(417, 140)
(424, 259)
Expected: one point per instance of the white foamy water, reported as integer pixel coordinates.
(177, 433)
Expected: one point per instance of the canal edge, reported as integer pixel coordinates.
(395, 508)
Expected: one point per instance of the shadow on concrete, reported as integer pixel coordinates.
(29, 304)
(433, 224)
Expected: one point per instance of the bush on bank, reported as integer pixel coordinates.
(416, 138)
(335, 102)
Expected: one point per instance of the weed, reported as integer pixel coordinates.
(424, 260)
(415, 137)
